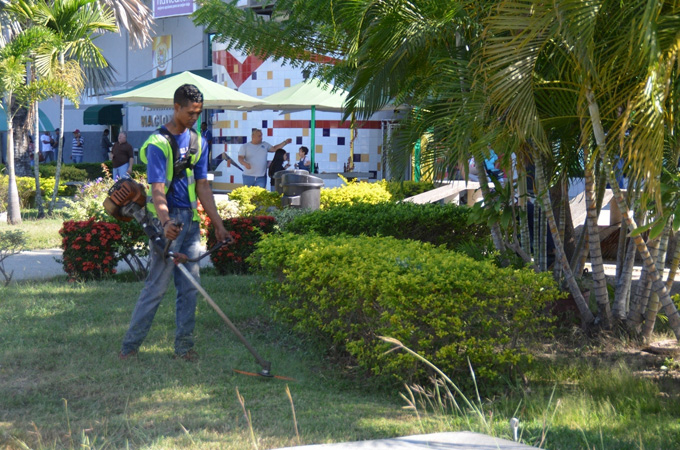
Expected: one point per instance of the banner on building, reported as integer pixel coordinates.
(170, 8)
(161, 53)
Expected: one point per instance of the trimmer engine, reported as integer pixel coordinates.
(127, 201)
(125, 198)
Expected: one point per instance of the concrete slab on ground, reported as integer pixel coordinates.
(463, 440)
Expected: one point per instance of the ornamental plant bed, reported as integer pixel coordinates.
(246, 232)
(89, 249)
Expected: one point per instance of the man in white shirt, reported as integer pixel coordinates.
(46, 146)
(253, 157)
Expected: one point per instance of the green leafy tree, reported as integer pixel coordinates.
(18, 93)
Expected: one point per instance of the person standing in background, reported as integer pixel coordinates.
(123, 157)
(253, 157)
(55, 145)
(77, 147)
(46, 146)
(106, 145)
(207, 135)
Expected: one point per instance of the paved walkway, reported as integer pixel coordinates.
(463, 440)
(42, 265)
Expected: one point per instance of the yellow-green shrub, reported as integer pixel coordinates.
(355, 192)
(254, 200)
(25, 187)
(444, 305)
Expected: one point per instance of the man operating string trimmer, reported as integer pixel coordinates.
(177, 168)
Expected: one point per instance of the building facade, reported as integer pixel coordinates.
(179, 45)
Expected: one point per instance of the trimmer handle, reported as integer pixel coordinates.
(169, 241)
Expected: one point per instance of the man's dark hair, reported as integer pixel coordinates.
(304, 149)
(106, 131)
(187, 93)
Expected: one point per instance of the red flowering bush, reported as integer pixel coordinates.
(246, 232)
(89, 248)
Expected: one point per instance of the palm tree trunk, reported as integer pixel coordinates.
(638, 302)
(621, 250)
(658, 286)
(60, 145)
(653, 303)
(564, 205)
(674, 265)
(596, 261)
(625, 280)
(537, 233)
(523, 215)
(496, 234)
(36, 152)
(542, 192)
(623, 283)
(13, 206)
(578, 259)
(543, 243)
(36, 164)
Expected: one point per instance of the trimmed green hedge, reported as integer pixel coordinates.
(443, 305)
(81, 171)
(68, 172)
(437, 224)
(406, 189)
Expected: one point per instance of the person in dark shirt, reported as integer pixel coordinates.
(106, 144)
(123, 157)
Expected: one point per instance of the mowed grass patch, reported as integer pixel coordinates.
(61, 382)
(40, 233)
(62, 385)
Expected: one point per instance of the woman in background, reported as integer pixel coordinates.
(279, 163)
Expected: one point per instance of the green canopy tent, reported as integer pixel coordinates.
(311, 94)
(160, 93)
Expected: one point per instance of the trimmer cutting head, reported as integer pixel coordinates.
(264, 373)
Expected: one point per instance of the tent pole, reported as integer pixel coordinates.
(313, 131)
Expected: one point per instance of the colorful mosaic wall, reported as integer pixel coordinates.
(333, 140)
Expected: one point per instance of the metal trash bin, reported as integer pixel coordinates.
(301, 190)
(278, 183)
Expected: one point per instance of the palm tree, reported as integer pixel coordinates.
(133, 15)
(603, 73)
(77, 23)
(18, 93)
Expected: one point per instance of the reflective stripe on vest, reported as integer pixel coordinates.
(162, 143)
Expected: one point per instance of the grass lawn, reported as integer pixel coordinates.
(62, 385)
(40, 233)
